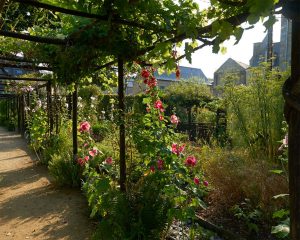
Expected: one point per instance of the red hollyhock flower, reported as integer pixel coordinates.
(158, 105)
(145, 73)
(190, 161)
(160, 164)
(196, 181)
(152, 169)
(205, 183)
(177, 149)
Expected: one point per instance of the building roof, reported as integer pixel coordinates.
(231, 61)
(243, 65)
(185, 73)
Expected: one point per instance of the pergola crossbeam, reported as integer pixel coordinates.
(24, 79)
(106, 18)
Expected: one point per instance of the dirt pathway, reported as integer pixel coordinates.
(30, 206)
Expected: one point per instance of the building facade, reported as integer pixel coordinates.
(230, 68)
(281, 50)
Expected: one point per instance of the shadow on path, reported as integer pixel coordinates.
(31, 207)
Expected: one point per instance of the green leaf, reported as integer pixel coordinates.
(238, 33)
(280, 213)
(277, 171)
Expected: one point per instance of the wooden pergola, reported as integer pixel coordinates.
(291, 88)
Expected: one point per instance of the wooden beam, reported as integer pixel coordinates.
(56, 41)
(23, 66)
(122, 124)
(24, 79)
(106, 18)
(21, 60)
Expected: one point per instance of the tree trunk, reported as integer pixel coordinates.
(291, 92)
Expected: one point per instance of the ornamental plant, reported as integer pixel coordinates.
(164, 158)
(163, 184)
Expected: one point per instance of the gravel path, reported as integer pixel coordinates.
(31, 207)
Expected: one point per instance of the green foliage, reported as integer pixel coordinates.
(86, 92)
(246, 213)
(37, 124)
(64, 171)
(100, 130)
(57, 143)
(255, 111)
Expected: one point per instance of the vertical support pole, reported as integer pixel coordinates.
(270, 47)
(56, 109)
(294, 132)
(22, 114)
(69, 102)
(49, 106)
(74, 123)
(7, 110)
(19, 114)
(122, 124)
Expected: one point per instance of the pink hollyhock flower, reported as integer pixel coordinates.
(84, 126)
(177, 149)
(158, 105)
(196, 181)
(145, 73)
(80, 161)
(174, 119)
(152, 168)
(86, 158)
(160, 164)
(190, 161)
(205, 183)
(109, 160)
(93, 152)
(85, 145)
(161, 117)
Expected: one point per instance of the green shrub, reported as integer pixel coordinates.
(57, 144)
(64, 170)
(255, 110)
(100, 131)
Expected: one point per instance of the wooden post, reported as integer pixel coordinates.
(74, 123)
(122, 124)
(56, 109)
(49, 106)
(22, 114)
(19, 114)
(69, 102)
(291, 91)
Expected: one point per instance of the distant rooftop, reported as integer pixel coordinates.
(230, 62)
(185, 73)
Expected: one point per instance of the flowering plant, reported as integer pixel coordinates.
(164, 160)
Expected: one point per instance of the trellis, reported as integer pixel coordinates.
(291, 10)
